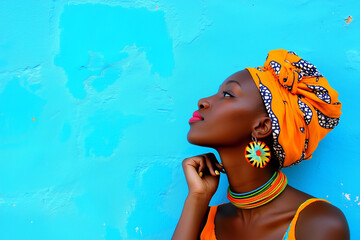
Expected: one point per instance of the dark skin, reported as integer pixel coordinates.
(230, 119)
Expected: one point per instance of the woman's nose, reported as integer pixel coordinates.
(203, 103)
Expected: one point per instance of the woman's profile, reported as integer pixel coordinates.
(261, 120)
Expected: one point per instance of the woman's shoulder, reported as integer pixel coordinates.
(322, 220)
(317, 219)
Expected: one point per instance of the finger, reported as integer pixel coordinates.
(210, 166)
(196, 164)
(201, 167)
(190, 167)
(218, 165)
(221, 170)
(214, 160)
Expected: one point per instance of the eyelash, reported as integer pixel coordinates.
(225, 92)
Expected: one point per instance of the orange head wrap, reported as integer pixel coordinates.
(300, 102)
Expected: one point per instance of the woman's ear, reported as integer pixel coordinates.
(262, 128)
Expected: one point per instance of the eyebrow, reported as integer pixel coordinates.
(230, 81)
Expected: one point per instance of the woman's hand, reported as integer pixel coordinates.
(202, 174)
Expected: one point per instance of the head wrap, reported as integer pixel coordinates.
(302, 106)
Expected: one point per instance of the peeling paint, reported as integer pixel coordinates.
(349, 19)
(347, 196)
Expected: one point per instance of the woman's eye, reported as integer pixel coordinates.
(225, 92)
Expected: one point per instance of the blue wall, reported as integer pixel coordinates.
(95, 98)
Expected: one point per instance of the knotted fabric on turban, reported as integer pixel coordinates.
(300, 102)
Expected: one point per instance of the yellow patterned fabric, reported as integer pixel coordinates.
(300, 102)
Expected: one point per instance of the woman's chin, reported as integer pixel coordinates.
(197, 140)
(192, 139)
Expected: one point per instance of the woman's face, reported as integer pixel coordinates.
(229, 115)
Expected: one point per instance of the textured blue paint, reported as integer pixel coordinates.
(95, 98)
(93, 39)
(23, 105)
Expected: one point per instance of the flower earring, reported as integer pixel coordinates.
(257, 153)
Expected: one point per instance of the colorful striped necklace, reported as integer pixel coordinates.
(260, 196)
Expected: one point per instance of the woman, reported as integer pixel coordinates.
(261, 119)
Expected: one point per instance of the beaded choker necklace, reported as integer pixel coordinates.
(260, 196)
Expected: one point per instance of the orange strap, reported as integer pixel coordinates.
(291, 233)
(208, 232)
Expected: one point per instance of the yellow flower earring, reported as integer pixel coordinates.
(257, 153)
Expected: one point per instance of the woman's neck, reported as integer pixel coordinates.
(241, 175)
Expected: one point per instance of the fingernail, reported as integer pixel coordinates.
(200, 174)
(217, 172)
(221, 164)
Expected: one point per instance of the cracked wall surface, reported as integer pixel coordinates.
(95, 98)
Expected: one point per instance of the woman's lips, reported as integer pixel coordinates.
(196, 117)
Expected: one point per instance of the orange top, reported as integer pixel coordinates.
(208, 232)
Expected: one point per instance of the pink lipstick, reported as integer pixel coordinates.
(196, 117)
